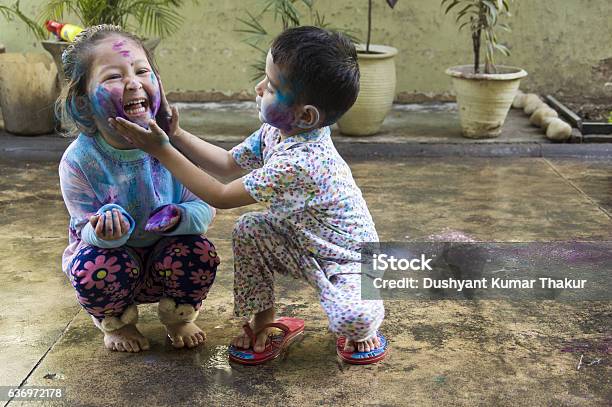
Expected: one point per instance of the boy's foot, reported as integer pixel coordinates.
(185, 334)
(363, 346)
(126, 339)
(260, 319)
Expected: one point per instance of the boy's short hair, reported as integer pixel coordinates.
(320, 67)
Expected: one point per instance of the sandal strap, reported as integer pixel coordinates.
(278, 325)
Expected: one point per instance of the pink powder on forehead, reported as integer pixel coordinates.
(125, 53)
(118, 45)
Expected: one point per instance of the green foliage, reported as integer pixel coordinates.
(289, 13)
(9, 12)
(610, 117)
(150, 17)
(483, 18)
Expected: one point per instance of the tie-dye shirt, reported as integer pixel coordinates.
(307, 185)
(95, 177)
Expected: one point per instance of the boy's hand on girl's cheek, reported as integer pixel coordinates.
(111, 225)
(151, 141)
(164, 219)
(167, 116)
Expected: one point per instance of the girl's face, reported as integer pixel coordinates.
(122, 83)
(274, 99)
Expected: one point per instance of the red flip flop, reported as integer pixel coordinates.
(362, 358)
(292, 328)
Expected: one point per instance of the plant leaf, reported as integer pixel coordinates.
(391, 3)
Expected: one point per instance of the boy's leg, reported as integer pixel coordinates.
(261, 248)
(349, 315)
(185, 267)
(106, 281)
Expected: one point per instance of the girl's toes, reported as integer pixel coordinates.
(119, 347)
(134, 345)
(201, 338)
(189, 342)
(177, 342)
(349, 347)
(360, 346)
(143, 344)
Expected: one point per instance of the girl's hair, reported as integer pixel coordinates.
(73, 106)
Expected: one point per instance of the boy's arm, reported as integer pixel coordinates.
(207, 188)
(213, 159)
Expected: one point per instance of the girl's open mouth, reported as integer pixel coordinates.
(136, 107)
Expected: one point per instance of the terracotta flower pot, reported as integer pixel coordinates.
(376, 92)
(28, 89)
(484, 99)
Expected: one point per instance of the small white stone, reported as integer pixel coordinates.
(519, 100)
(532, 102)
(543, 111)
(546, 122)
(558, 130)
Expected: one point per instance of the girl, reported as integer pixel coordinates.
(135, 234)
(317, 218)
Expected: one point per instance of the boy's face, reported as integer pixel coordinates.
(275, 100)
(122, 83)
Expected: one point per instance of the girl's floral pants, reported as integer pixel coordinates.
(107, 281)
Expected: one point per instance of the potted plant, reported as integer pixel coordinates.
(159, 18)
(484, 92)
(377, 86)
(290, 13)
(28, 85)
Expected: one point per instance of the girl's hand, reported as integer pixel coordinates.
(164, 219)
(110, 226)
(152, 141)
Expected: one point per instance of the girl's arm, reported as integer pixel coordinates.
(194, 216)
(207, 188)
(89, 220)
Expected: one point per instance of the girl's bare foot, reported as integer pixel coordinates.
(363, 346)
(259, 320)
(185, 334)
(126, 339)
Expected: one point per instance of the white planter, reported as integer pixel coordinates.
(28, 90)
(376, 92)
(484, 99)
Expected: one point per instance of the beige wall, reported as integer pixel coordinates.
(563, 44)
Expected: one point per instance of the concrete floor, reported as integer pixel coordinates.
(442, 352)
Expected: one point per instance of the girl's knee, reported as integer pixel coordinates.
(184, 250)
(109, 275)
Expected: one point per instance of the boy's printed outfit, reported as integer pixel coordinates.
(316, 222)
(141, 266)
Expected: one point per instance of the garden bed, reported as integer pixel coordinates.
(590, 118)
